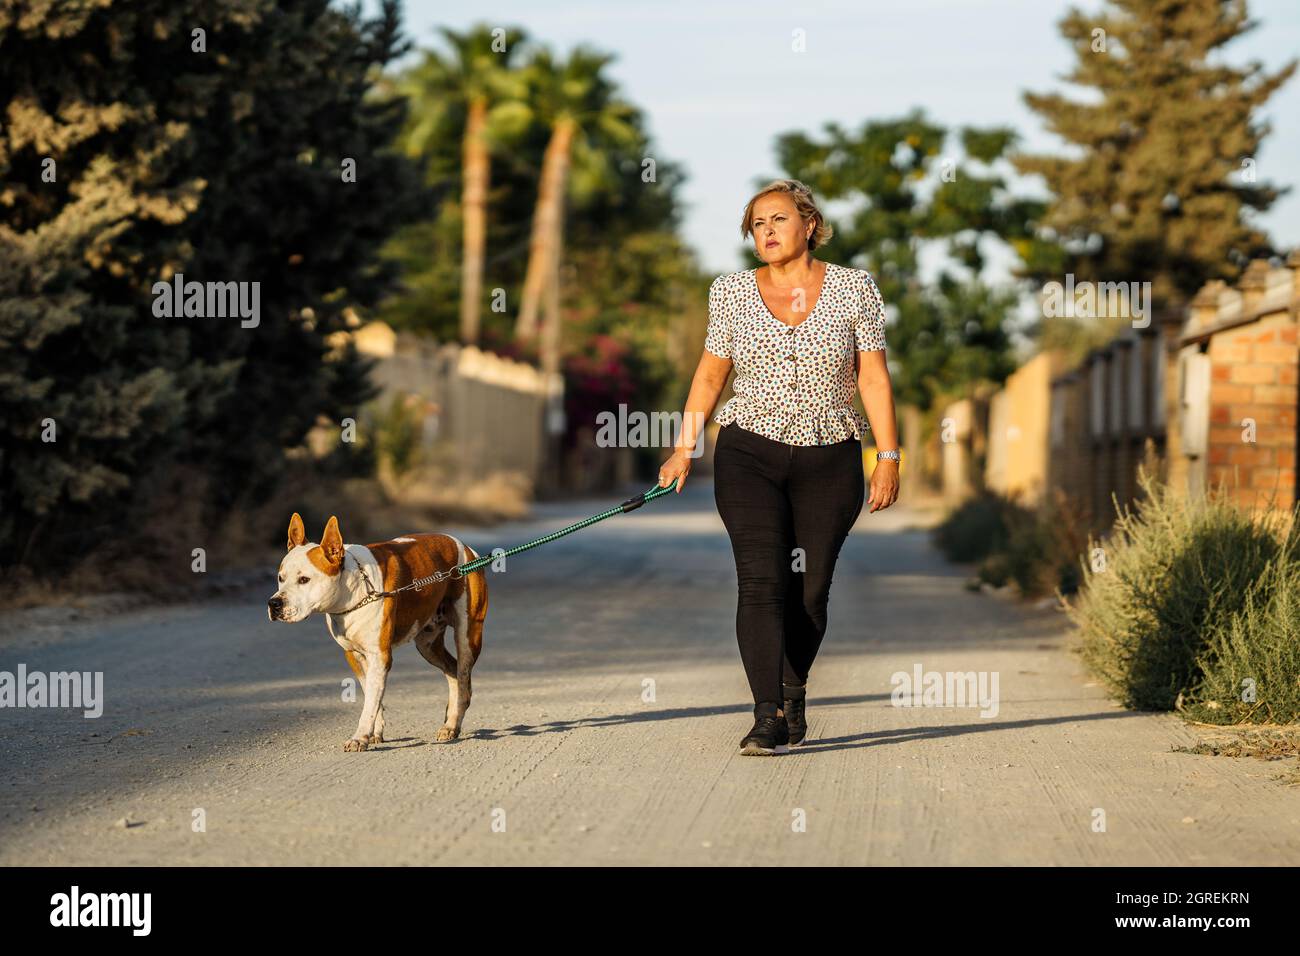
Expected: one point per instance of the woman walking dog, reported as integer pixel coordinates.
(788, 479)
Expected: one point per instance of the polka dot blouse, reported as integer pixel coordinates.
(795, 383)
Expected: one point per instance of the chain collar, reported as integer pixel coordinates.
(372, 595)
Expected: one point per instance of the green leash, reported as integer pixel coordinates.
(636, 501)
(460, 570)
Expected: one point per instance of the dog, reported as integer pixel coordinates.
(331, 578)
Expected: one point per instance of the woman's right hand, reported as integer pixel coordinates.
(678, 466)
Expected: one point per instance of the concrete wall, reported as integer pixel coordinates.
(1019, 420)
(485, 420)
(1105, 420)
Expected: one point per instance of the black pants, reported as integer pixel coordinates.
(775, 498)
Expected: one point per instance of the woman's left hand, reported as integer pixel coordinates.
(884, 485)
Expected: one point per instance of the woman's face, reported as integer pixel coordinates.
(779, 232)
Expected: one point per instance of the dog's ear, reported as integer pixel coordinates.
(297, 533)
(331, 542)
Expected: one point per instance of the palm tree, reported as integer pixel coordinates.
(579, 105)
(477, 89)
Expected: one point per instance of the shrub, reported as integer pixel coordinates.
(1255, 650)
(995, 570)
(398, 435)
(1038, 550)
(1043, 548)
(1174, 569)
(975, 529)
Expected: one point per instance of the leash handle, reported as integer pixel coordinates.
(636, 501)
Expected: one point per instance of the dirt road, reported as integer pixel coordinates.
(609, 703)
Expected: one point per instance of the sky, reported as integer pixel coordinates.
(718, 82)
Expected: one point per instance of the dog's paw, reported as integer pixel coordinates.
(354, 745)
(447, 733)
(376, 738)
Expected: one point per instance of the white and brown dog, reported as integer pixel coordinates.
(331, 578)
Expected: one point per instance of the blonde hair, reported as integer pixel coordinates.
(804, 204)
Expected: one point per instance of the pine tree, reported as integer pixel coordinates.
(142, 138)
(1168, 152)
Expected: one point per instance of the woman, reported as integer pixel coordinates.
(788, 478)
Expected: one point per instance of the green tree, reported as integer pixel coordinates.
(578, 103)
(1164, 166)
(473, 91)
(626, 283)
(900, 191)
(212, 140)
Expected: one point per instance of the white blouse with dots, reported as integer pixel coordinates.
(795, 383)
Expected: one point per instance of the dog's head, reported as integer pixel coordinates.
(310, 574)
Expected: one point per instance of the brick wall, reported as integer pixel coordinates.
(1247, 336)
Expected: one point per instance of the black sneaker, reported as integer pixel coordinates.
(793, 696)
(769, 736)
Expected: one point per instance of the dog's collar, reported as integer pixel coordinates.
(372, 595)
